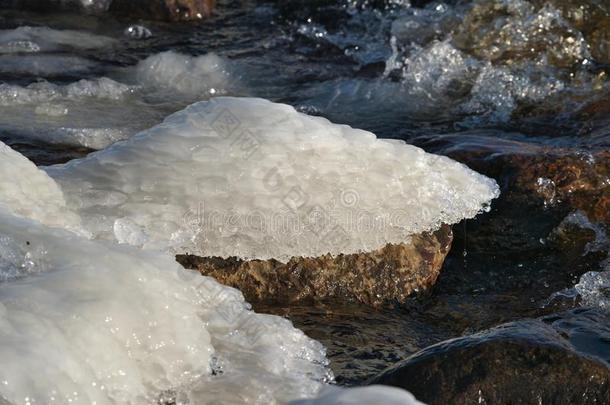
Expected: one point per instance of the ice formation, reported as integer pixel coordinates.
(90, 113)
(254, 179)
(44, 39)
(176, 74)
(29, 192)
(88, 322)
(374, 394)
(45, 65)
(95, 113)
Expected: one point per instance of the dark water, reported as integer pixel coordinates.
(466, 80)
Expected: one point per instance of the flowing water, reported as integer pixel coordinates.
(475, 80)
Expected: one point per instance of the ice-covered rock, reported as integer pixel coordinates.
(377, 278)
(88, 322)
(254, 179)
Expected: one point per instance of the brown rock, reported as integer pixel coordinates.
(166, 10)
(384, 276)
(559, 359)
(530, 173)
(580, 180)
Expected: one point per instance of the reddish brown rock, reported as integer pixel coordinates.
(580, 180)
(166, 10)
(381, 277)
(534, 174)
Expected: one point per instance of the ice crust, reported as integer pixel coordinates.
(253, 179)
(88, 322)
(29, 192)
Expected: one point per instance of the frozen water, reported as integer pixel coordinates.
(178, 75)
(89, 113)
(89, 322)
(98, 112)
(30, 192)
(44, 39)
(29, 51)
(594, 288)
(254, 179)
(45, 65)
(360, 396)
(45, 92)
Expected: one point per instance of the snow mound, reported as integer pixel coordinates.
(87, 322)
(250, 178)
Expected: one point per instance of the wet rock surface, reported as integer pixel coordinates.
(559, 359)
(553, 178)
(384, 276)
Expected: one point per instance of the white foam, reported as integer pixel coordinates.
(30, 192)
(44, 39)
(374, 394)
(88, 322)
(250, 178)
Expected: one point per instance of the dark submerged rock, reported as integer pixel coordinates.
(166, 10)
(558, 359)
(384, 276)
